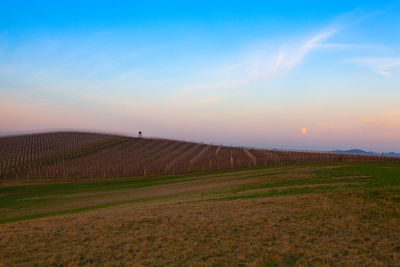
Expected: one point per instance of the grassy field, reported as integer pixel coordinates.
(308, 214)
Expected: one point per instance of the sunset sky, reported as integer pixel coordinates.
(277, 74)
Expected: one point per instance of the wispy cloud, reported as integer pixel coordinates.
(350, 46)
(258, 62)
(289, 57)
(372, 122)
(385, 66)
(389, 120)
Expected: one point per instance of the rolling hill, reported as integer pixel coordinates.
(80, 154)
(363, 152)
(192, 203)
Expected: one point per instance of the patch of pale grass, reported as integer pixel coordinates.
(322, 229)
(298, 186)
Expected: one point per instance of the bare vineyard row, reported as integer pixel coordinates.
(16, 150)
(96, 155)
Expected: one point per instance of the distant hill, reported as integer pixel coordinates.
(392, 154)
(363, 152)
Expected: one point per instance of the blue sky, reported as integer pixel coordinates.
(232, 72)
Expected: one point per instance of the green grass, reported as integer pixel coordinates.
(297, 182)
(15, 196)
(19, 194)
(291, 191)
(380, 174)
(53, 199)
(87, 208)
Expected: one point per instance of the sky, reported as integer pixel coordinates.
(309, 75)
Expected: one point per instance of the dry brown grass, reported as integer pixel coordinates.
(294, 215)
(316, 229)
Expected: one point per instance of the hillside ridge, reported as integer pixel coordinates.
(80, 154)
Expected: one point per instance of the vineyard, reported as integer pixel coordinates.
(78, 155)
(179, 203)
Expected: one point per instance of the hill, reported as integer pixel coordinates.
(79, 154)
(320, 214)
(363, 152)
(196, 203)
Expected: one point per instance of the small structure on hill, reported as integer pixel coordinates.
(140, 134)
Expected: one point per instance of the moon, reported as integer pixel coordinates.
(303, 130)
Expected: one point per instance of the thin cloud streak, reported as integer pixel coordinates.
(372, 122)
(288, 58)
(385, 66)
(251, 65)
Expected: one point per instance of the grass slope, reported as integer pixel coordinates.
(30, 201)
(319, 214)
